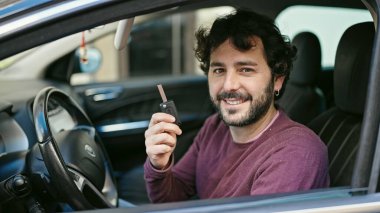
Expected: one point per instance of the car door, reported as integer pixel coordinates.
(121, 112)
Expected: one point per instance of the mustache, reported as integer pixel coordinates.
(237, 95)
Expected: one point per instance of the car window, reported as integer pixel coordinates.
(321, 21)
(158, 45)
(163, 43)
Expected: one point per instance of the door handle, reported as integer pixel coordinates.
(104, 93)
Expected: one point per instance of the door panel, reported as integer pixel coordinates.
(121, 112)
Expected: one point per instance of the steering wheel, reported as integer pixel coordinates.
(75, 157)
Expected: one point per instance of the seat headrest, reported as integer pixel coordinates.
(352, 63)
(307, 65)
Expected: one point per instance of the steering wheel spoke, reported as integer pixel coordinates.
(78, 179)
(87, 188)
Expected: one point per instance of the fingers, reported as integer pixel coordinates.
(161, 117)
(163, 127)
(162, 122)
(168, 139)
(157, 151)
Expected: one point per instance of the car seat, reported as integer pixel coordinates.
(340, 126)
(302, 100)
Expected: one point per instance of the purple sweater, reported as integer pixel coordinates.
(287, 157)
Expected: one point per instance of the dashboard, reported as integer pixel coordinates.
(17, 131)
(14, 144)
(12, 136)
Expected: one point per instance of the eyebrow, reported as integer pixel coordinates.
(239, 63)
(217, 64)
(244, 63)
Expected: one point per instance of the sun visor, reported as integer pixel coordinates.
(122, 33)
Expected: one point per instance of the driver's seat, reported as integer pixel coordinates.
(340, 126)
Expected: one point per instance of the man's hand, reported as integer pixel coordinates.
(161, 139)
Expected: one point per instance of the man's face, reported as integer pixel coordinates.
(240, 83)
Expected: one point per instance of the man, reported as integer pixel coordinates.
(249, 147)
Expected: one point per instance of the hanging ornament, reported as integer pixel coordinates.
(83, 50)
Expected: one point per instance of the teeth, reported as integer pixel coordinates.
(233, 102)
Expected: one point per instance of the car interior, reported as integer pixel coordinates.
(339, 127)
(76, 99)
(303, 99)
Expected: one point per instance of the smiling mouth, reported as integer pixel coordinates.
(233, 101)
(232, 98)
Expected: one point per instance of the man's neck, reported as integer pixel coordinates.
(247, 133)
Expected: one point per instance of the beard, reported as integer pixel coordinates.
(257, 109)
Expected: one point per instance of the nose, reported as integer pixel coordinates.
(231, 82)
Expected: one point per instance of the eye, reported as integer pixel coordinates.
(218, 71)
(246, 70)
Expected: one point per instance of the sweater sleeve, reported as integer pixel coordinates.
(292, 168)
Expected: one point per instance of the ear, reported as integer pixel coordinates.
(278, 81)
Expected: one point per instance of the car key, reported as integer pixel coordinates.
(168, 106)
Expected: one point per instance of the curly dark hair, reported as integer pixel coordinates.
(240, 26)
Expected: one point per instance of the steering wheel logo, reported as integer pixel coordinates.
(90, 150)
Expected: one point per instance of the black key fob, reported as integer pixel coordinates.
(168, 106)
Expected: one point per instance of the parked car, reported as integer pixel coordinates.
(78, 87)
